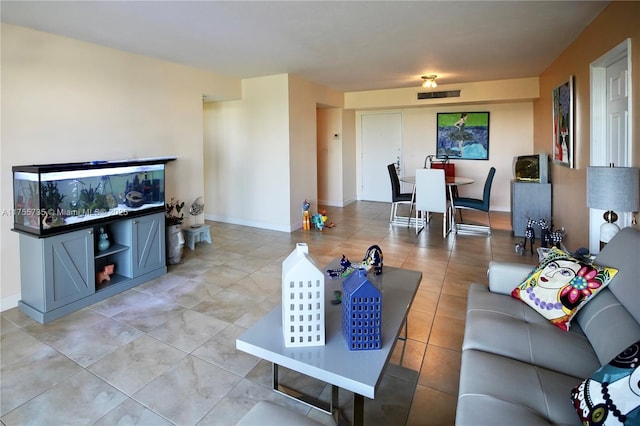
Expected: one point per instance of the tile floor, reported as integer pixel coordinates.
(164, 352)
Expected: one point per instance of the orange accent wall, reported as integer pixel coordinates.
(615, 24)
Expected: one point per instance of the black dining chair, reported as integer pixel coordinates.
(477, 204)
(398, 197)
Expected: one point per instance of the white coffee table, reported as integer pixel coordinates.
(357, 371)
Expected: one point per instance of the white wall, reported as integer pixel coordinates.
(247, 156)
(336, 157)
(304, 98)
(261, 152)
(66, 101)
(330, 185)
(349, 152)
(510, 134)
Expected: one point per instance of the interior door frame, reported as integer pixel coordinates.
(598, 121)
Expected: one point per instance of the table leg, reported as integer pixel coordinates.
(358, 410)
(413, 200)
(325, 407)
(452, 211)
(331, 408)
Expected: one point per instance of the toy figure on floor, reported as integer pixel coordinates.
(306, 224)
(323, 213)
(319, 221)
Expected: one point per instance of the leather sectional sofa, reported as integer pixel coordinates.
(520, 369)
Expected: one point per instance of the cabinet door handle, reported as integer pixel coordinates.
(90, 232)
(135, 222)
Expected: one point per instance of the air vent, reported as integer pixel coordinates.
(439, 95)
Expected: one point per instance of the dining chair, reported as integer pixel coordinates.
(431, 197)
(483, 205)
(398, 197)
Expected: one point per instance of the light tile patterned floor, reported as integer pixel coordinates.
(164, 352)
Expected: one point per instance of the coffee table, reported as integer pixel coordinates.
(357, 371)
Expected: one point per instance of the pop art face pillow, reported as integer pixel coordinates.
(561, 285)
(611, 396)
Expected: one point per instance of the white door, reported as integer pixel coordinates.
(618, 96)
(381, 136)
(610, 138)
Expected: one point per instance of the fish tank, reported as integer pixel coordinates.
(55, 198)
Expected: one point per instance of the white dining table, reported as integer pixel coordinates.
(451, 182)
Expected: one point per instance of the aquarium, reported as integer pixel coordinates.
(55, 198)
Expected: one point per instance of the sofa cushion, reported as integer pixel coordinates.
(623, 253)
(505, 326)
(608, 325)
(495, 390)
(504, 275)
(611, 396)
(561, 285)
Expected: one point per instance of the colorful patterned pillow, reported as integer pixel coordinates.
(561, 285)
(611, 396)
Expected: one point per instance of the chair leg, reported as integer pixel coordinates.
(393, 212)
(420, 220)
(489, 222)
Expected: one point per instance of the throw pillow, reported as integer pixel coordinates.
(611, 396)
(560, 285)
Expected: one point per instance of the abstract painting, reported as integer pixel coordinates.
(463, 135)
(562, 97)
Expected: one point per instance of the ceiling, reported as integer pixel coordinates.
(345, 45)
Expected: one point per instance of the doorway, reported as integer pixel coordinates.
(610, 127)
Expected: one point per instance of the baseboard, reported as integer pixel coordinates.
(251, 223)
(10, 302)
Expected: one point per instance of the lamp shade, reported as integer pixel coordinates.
(613, 188)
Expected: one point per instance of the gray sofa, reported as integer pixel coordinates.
(519, 369)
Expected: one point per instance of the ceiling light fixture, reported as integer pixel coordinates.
(429, 81)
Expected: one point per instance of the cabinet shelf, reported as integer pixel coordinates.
(113, 249)
(115, 279)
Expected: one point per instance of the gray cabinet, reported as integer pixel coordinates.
(148, 244)
(59, 274)
(58, 270)
(529, 200)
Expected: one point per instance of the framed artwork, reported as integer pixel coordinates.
(463, 135)
(562, 110)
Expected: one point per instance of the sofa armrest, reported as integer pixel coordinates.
(504, 276)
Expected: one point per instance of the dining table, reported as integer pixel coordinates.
(452, 182)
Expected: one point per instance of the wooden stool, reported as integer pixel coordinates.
(196, 235)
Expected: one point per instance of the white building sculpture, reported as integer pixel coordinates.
(302, 300)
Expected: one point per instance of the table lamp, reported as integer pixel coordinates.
(609, 189)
